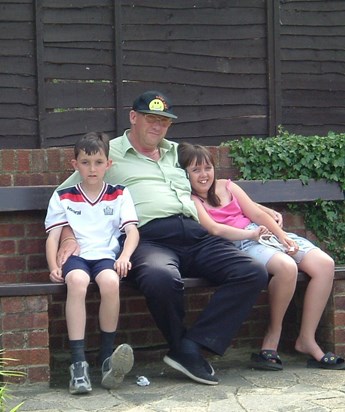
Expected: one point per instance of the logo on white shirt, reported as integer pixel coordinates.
(77, 212)
(108, 211)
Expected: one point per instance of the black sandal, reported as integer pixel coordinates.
(328, 361)
(267, 359)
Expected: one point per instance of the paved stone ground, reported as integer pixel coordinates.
(294, 389)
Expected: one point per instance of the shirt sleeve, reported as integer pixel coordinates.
(56, 215)
(128, 214)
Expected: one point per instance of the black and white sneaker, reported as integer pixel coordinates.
(80, 380)
(117, 366)
(192, 366)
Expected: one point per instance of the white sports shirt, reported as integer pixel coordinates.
(97, 224)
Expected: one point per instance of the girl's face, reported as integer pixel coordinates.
(201, 176)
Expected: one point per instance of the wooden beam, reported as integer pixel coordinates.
(118, 72)
(21, 198)
(274, 67)
(42, 141)
(293, 190)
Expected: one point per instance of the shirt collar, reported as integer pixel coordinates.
(126, 144)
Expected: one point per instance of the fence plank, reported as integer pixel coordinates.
(230, 67)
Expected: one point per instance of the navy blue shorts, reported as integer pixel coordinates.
(91, 267)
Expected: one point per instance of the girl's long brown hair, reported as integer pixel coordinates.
(196, 154)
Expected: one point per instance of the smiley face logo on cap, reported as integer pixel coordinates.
(157, 105)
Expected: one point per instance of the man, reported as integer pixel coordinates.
(174, 245)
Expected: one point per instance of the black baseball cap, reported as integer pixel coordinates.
(154, 102)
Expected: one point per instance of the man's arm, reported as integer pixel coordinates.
(68, 246)
(275, 215)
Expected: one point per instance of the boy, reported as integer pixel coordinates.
(99, 213)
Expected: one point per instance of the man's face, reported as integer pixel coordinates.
(149, 129)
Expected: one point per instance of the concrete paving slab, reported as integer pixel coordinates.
(295, 389)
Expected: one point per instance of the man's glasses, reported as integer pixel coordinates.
(163, 121)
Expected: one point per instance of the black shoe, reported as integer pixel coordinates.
(209, 367)
(191, 365)
(189, 346)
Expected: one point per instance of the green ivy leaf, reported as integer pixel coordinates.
(291, 156)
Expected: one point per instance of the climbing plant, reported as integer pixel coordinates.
(291, 156)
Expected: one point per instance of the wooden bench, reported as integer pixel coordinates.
(35, 198)
(24, 198)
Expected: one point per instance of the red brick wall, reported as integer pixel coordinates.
(24, 330)
(27, 167)
(22, 242)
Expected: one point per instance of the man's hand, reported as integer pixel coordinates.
(69, 246)
(278, 217)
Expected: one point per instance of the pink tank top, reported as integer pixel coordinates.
(230, 214)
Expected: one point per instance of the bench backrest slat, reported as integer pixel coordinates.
(293, 190)
(21, 198)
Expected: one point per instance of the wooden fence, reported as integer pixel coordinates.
(232, 67)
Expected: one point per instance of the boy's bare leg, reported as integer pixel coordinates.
(116, 366)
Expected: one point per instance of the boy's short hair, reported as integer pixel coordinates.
(92, 143)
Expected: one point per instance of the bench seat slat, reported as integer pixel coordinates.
(49, 288)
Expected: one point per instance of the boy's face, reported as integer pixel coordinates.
(92, 168)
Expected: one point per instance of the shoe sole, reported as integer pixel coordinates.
(121, 362)
(314, 364)
(80, 391)
(259, 363)
(81, 388)
(169, 361)
(265, 366)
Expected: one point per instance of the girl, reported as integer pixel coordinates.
(225, 210)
